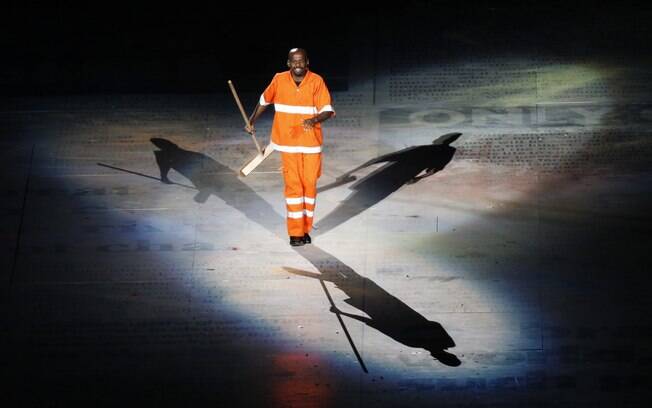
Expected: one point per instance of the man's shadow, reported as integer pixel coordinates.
(388, 314)
(212, 177)
(204, 173)
(403, 167)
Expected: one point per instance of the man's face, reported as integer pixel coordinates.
(298, 64)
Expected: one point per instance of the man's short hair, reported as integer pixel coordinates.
(297, 50)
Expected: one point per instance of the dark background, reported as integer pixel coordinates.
(54, 48)
(57, 49)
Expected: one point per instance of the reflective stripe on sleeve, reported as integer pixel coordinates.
(327, 108)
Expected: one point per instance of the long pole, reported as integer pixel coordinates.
(244, 115)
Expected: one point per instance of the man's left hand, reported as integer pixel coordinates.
(309, 124)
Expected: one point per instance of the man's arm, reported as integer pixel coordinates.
(258, 110)
(310, 123)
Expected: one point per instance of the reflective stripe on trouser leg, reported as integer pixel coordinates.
(293, 192)
(311, 172)
(300, 174)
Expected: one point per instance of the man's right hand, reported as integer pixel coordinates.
(250, 129)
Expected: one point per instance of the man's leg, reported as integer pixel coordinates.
(311, 172)
(292, 167)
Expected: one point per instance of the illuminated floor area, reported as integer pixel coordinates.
(120, 288)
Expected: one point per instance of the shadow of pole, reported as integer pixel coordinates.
(346, 331)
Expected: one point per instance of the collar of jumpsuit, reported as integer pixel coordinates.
(300, 148)
(298, 85)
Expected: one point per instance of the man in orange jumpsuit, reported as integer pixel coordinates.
(302, 102)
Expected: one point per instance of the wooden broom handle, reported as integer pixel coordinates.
(244, 115)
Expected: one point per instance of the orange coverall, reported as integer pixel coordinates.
(300, 149)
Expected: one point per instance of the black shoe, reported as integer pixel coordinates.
(296, 241)
(306, 239)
